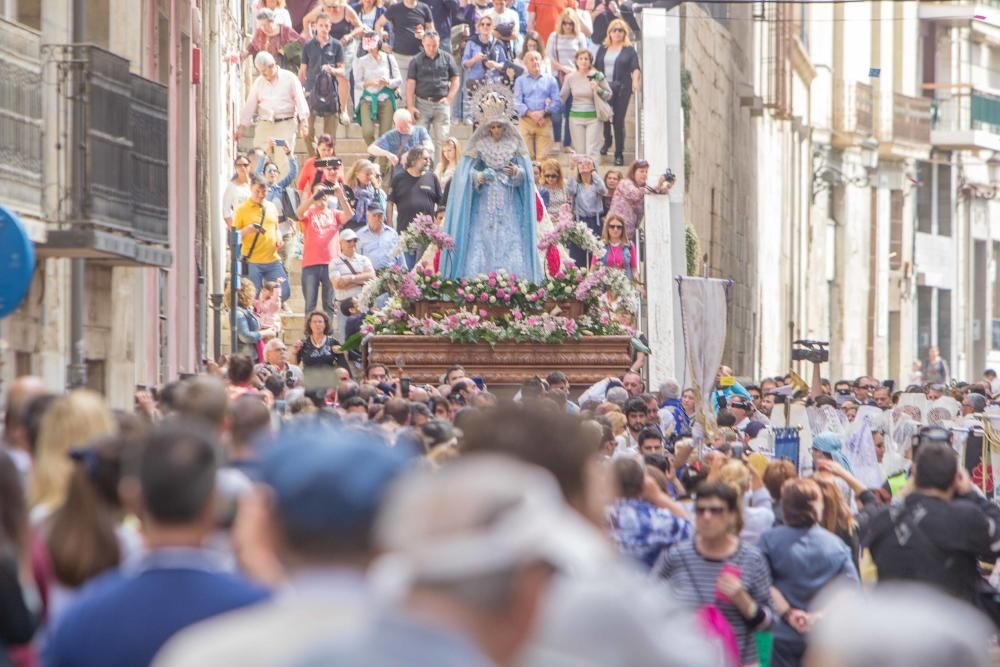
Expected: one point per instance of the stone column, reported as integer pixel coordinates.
(663, 133)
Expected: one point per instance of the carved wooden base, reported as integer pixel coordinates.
(426, 358)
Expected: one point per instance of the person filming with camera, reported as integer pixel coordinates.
(257, 220)
(276, 363)
(940, 531)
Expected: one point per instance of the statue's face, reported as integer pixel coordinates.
(496, 131)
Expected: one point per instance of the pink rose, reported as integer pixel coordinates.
(492, 282)
(482, 312)
(469, 298)
(436, 284)
(484, 297)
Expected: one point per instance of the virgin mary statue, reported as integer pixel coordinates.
(491, 212)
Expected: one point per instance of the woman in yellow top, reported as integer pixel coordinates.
(257, 220)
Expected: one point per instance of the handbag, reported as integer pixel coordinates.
(604, 111)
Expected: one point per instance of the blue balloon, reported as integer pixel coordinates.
(17, 262)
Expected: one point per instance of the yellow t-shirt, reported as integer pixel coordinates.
(247, 215)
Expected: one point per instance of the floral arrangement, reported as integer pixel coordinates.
(570, 231)
(475, 326)
(420, 233)
(499, 288)
(530, 312)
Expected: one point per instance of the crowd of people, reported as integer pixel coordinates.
(404, 72)
(232, 517)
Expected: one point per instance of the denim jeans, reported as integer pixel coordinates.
(314, 278)
(560, 124)
(270, 271)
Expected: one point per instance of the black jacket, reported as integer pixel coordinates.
(627, 62)
(934, 541)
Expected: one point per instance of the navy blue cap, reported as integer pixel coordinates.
(325, 479)
(376, 207)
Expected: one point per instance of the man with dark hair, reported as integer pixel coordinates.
(640, 528)
(650, 441)
(313, 528)
(863, 389)
(240, 373)
(415, 190)
(398, 410)
(355, 405)
(125, 617)
(204, 399)
(453, 373)
(345, 391)
(249, 420)
(726, 417)
(940, 531)
(635, 414)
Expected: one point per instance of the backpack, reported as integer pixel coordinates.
(324, 99)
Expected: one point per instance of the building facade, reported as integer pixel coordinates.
(120, 87)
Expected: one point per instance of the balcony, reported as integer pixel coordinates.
(960, 12)
(852, 113)
(967, 120)
(112, 189)
(20, 119)
(911, 119)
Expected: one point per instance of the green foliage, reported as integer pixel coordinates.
(692, 249)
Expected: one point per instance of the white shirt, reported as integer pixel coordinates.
(278, 99)
(508, 16)
(339, 269)
(367, 68)
(234, 195)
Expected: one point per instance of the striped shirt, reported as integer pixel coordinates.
(692, 578)
(643, 531)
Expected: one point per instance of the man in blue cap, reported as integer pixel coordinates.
(376, 239)
(308, 528)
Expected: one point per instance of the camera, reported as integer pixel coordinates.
(669, 176)
(814, 351)
(329, 163)
(289, 379)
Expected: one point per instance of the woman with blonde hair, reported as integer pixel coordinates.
(553, 187)
(619, 62)
(71, 421)
(618, 254)
(564, 43)
(758, 514)
(363, 191)
(249, 333)
(451, 150)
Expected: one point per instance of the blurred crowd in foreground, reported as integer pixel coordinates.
(217, 524)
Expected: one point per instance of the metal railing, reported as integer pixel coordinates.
(119, 122)
(20, 114)
(963, 111)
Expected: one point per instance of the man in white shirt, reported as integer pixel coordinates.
(349, 273)
(277, 100)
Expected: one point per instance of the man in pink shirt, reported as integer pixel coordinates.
(276, 100)
(320, 246)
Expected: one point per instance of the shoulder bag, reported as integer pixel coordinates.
(245, 260)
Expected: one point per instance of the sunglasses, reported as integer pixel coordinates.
(568, 23)
(617, 30)
(616, 226)
(270, 171)
(711, 510)
(551, 175)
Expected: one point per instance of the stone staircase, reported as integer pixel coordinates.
(351, 147)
